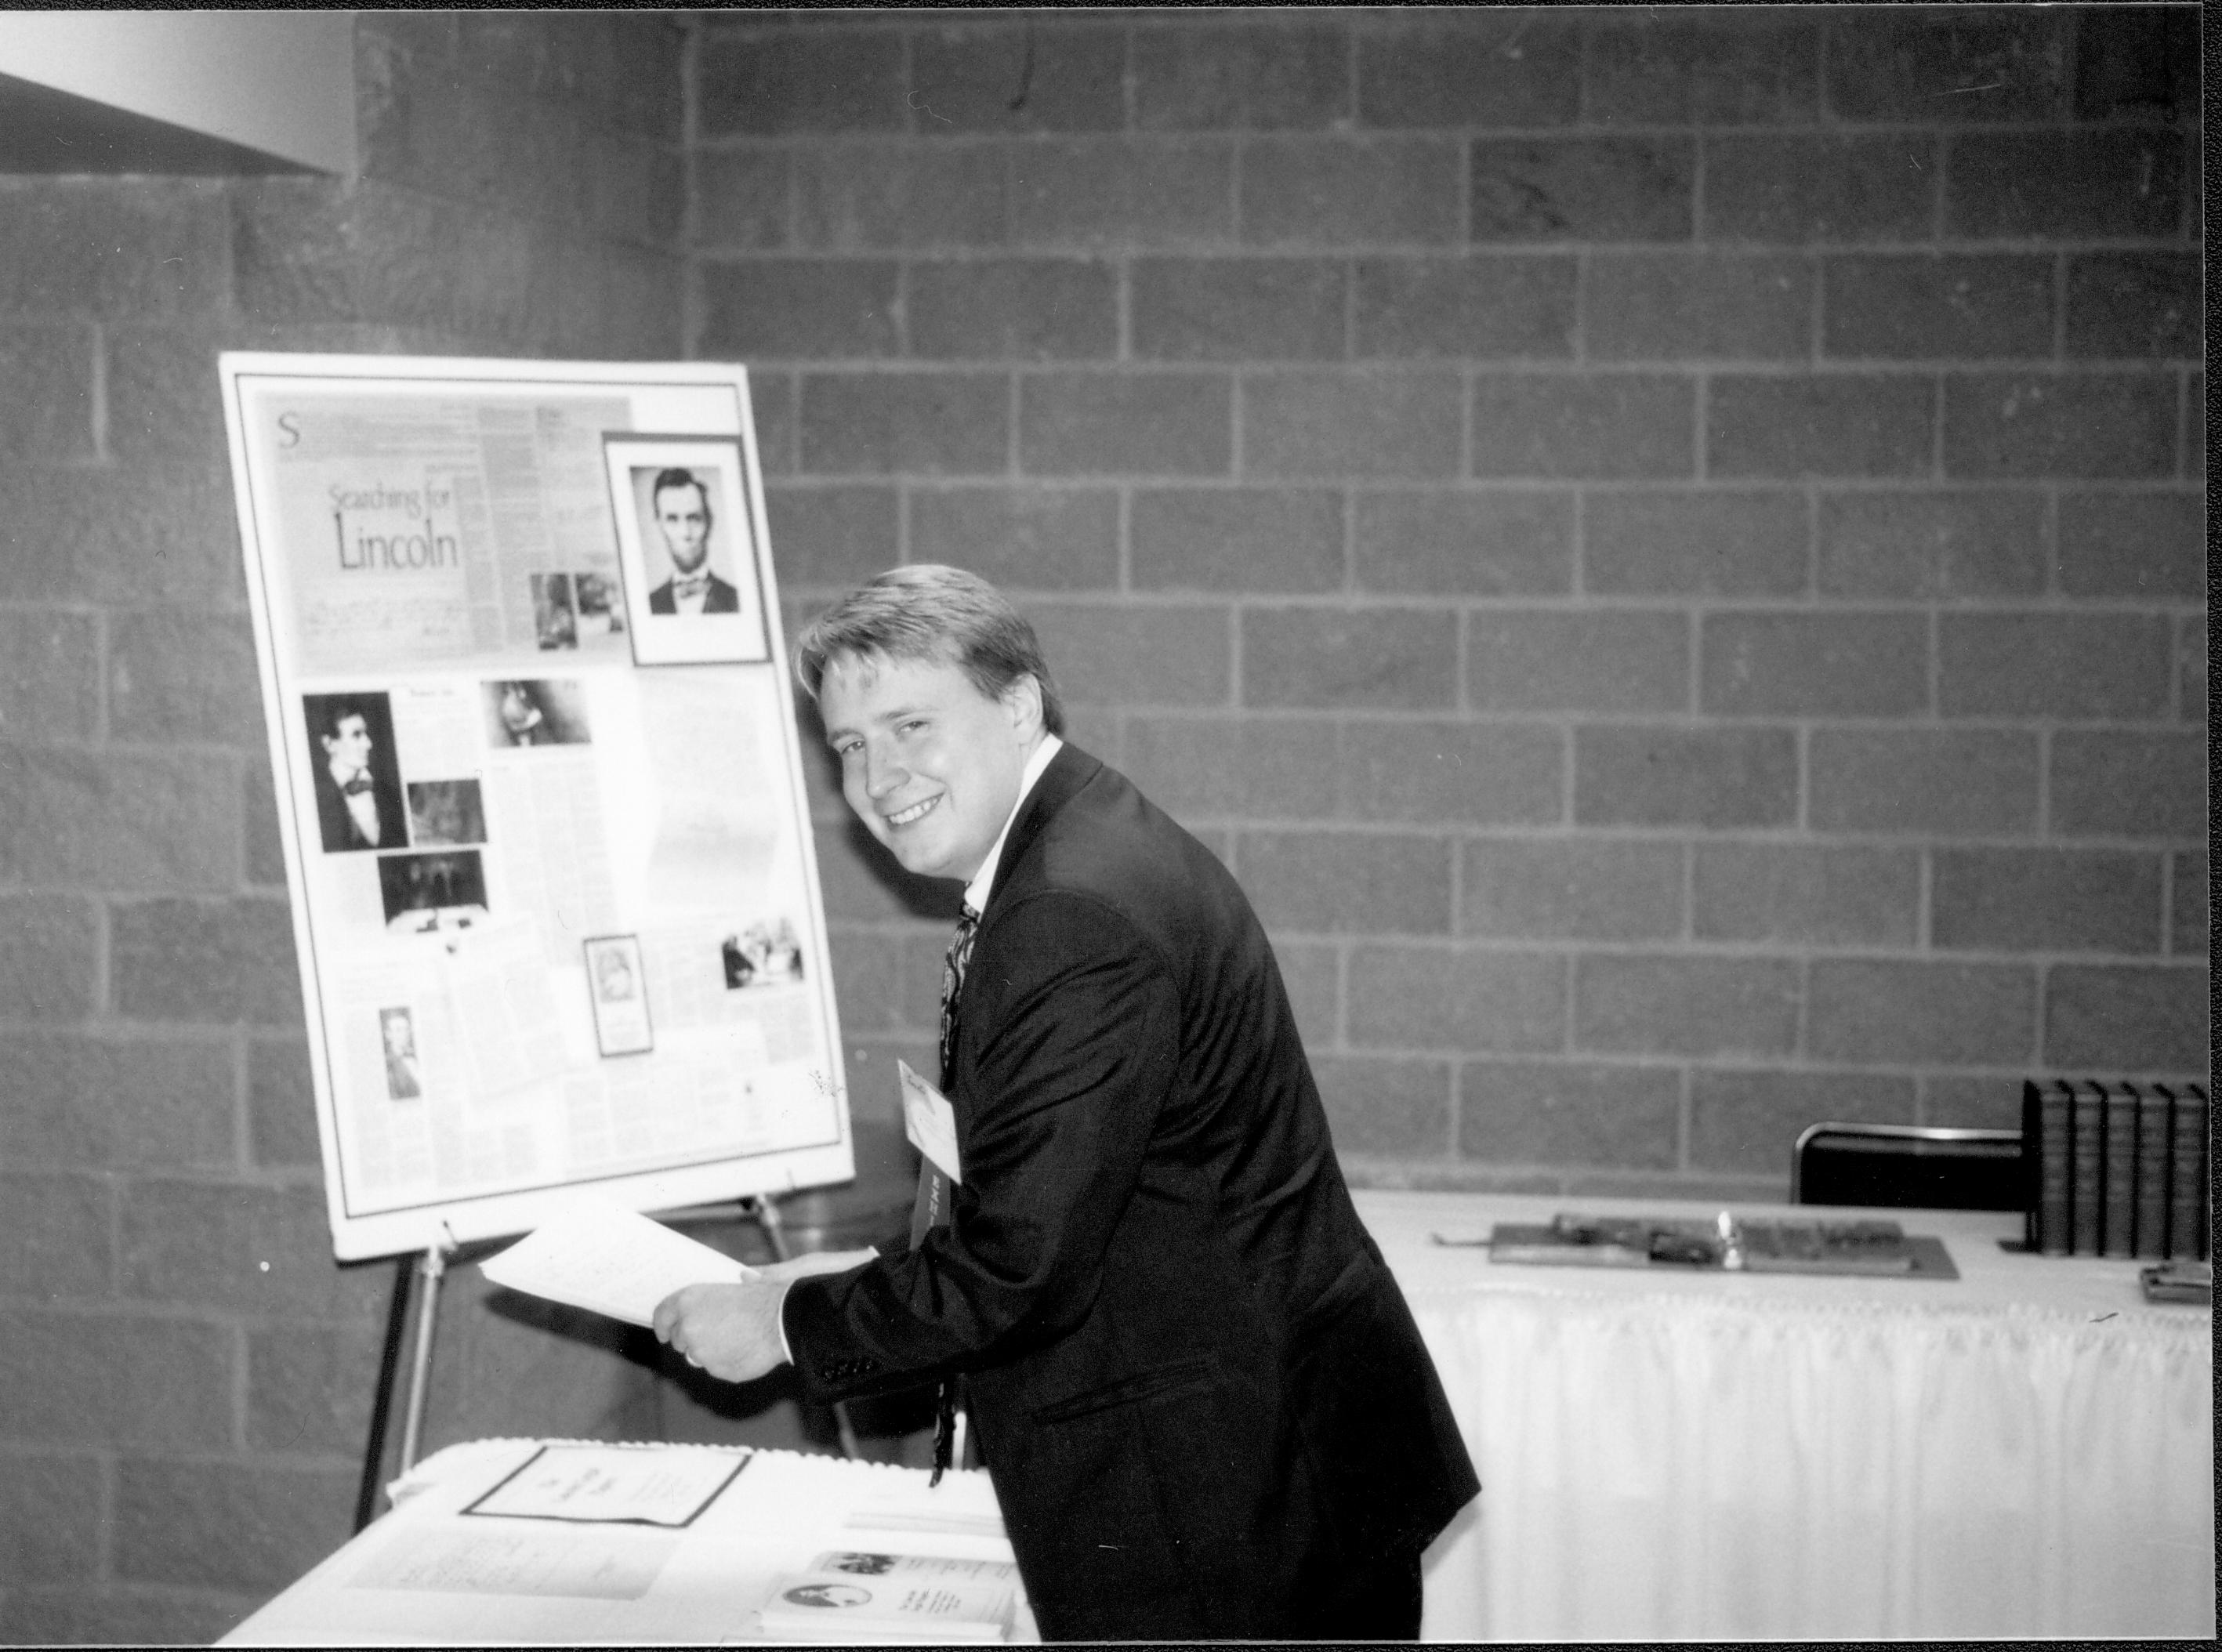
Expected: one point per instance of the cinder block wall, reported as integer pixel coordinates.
(1664, 548)
(184, 1373)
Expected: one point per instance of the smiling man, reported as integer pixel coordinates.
(1203, 1400)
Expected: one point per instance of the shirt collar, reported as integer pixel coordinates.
(976, 892)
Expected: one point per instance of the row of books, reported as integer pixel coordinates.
(2119, 1169)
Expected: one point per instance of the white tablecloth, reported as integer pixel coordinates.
(1669, 1454)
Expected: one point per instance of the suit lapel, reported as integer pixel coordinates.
(1067, 772)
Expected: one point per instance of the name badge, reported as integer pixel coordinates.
(930, 1122)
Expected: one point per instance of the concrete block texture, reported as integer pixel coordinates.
(1679, 306)
(1571, 888)
(1380, 659)
(1456, 999)
(2191, 669)
(1228, 767)
(1376, 1105)
(149, 821)
(1807, 894)
(1020, 538)
(2131, 544)
(50, 1512)
(1492, 307)
(2153, 1020)
(1843, 663)
(176, 676)
(49, 675)
(1493, 542)
(838, 535)
(1933, 544)
(1252, 75)
(104, 1378)
(235, 1249)
(1013, 309)
(1902, 1013)
(1934, 307)
(1610, 189)
(57, 1236)
(2142, 306)
(1517, 67)
(50, 368)
(1451, 774)
(1120, 193)
(1350, 191)
(281, 1106)
(1141, 656)
(142, 533)
(1236, 539)
(2046, 663)
(1692, 67)
(2115, 783)
(1570, 1113)
(1957, 64)
(1683, 1005)
(1714, 542)
(1797, 189)
(1658, 776)
(204, 960)
(1033, 75)
(1617, 426)
(1870, 425)
(939, 422)
(800, 308)
(1606, 660)
(1238, 309)
(2078, 184)
(1347, 882)
(1373, 423)
(110, 247)
(2046, 900)
(2190, 925)
(2098, 425)
(83, 1101)
(1097, 424)
(803, 81)
(866, 194)
(227, 1525)
(1917, 781)
(1750, 1119)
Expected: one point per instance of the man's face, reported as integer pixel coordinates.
(684, 516)
(931, 765)
(348, 746)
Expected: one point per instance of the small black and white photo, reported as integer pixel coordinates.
(555, 615)
(763, 955)
(352, 768)
(423, 893)
(536, 711)
(445, 813)
(617, 984)
(396, 1032)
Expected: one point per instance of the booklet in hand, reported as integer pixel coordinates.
(600, 1256)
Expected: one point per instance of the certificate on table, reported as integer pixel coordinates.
(613, 1484)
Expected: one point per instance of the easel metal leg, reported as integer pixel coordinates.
(765, 1210)
(381, 1404)
(429, 1268)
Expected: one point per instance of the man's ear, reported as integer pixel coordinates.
(1023, 701)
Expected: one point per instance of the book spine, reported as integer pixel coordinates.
(2154, 1126)
(2118, 1212)
(2054, 1181)
(2187, 1198)
(2087, 1170)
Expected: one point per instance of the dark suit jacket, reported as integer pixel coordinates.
(337, 826)
(1199, 1392)
(718, 597)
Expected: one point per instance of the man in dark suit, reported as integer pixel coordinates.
(358, 795)
(1205, 1406)
(682, 504)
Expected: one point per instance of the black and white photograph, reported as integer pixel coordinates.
(396, 1032)
(352, 769)
(618, 987)
(536, 711)
(422, 893)
(445, 813)
(555, 613)
(686, 549)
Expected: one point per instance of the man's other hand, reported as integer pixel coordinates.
(731, 1331)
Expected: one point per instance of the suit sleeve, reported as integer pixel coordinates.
(1071, 1038)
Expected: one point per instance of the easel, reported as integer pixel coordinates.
(430, 1268)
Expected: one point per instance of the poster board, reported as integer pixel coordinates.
(539, 788)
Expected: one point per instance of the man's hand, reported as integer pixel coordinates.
(731, 1331)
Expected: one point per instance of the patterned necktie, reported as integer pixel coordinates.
(932, 1205)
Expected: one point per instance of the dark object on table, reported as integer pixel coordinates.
(1910, 1166)
(2191, 1282)
(2116, 1170)
(1727, 1244)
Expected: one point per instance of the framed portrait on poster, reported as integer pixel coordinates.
(555, 899)
(688, 559)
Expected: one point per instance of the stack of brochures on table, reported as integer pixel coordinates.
(848, 1597)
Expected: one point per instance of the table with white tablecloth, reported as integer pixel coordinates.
(1685, 1453)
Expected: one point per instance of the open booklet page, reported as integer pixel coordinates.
(612, 1261)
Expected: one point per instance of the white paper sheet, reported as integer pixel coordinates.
(610, 1260)
(619, 1485)
(930, 1122)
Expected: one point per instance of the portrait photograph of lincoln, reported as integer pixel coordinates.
(351, 766)
(687, 547)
